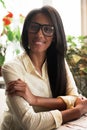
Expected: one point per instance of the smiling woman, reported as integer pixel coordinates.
(39, 85)
(69, 25)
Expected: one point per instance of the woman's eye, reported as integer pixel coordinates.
(47, 29)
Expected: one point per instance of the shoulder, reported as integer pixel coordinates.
(13, 69)
(14, 66)
(11, 63)
(17, 61)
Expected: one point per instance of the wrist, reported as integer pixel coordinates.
(33, 100)
(71, 114)
(80, 109)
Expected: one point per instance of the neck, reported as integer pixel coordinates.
(37, 60)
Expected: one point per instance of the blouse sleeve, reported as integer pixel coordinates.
(72, 91)
(24, 113)
(71, 85)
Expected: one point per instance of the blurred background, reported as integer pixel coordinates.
(74, 17)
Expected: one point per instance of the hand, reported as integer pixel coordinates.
(20, 88)
(81, 104)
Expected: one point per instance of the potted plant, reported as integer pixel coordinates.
(77, 60)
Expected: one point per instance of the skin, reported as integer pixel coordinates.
(38, 46)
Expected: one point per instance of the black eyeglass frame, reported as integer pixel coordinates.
(41, 26)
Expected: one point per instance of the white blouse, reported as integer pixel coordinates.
(22, 116)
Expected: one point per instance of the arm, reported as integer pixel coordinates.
(25, 114)
(51, 103)
(20, 88)
(60, 103)
(69, 114)
(76, 112)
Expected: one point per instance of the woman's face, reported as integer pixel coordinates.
(40, 36)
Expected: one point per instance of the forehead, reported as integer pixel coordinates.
(41, 18)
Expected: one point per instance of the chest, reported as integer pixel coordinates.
(38, 85)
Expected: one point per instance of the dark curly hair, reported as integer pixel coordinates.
(55, 53)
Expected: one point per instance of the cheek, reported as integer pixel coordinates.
(50, 41)
(29, 38)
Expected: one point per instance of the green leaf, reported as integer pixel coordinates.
(3, 3)
(17, 34)
(10, 35)
(2, 59)
(85, 70)
(17, 51)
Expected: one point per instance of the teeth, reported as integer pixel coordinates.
(39, 43)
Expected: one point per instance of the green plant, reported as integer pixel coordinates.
(2, 54)
(77, 54)
(10, 35)
(77, 60)
(2, 2)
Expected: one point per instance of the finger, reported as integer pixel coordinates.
(16, 93)
(19, 88)
(11, 91)
(12, 82)
(15, 83)
(19, 81)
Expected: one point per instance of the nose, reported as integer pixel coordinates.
(40, 33)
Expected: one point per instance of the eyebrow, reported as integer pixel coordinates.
(42, 24)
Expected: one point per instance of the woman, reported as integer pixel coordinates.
(41, 92)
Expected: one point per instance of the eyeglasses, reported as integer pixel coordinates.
(47, 30)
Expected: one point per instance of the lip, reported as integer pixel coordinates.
(38, 42)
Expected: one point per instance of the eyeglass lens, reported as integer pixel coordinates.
(47, 30)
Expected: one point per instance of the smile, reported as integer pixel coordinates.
(38, 42)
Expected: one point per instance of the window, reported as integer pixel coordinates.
(70, 12)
